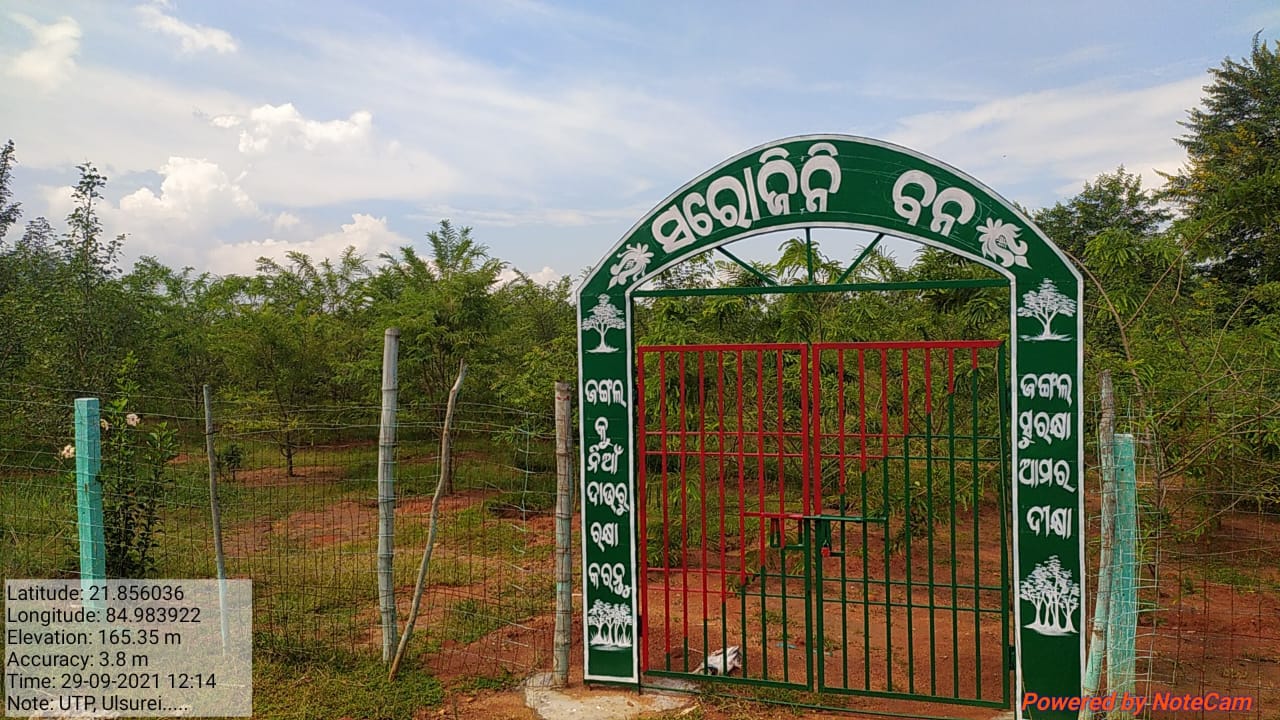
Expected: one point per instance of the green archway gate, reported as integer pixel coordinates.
(836, 181)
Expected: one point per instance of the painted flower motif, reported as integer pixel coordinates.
(1000, 243)
(105, 425)
(132, 419)
(68, 451)
(632, 262)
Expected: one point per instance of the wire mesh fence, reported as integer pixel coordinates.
(299, 511)
(1207, 568)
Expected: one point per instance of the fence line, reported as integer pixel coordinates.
(308, 539)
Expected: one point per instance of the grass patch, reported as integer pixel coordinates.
(475, 532)
(38, 527)
(471, 619)
(303, 683)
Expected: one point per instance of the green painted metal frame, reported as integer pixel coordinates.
(821, 288)
(860, 184)
(866, 517)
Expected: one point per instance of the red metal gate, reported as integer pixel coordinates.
(766, 477)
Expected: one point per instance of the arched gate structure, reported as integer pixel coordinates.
(804, 441)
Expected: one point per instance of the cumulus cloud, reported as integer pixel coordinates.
(294, 160)
(369, 235)
(193, 192)
(195, 200)
(269, 125)
(50, 60)
(194, 38)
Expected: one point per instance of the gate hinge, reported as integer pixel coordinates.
(1013, 657)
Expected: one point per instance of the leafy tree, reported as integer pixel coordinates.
(9, 212)
(1110, 202)
(1231, 182)
(446, 309)
(295, 329)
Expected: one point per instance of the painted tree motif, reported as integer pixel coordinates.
(1055, 595)
(613, 625)
(604, 317)
(1044, 305)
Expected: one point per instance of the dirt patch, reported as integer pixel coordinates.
(302, 475)
(341, 522)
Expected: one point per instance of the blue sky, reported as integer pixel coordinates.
(231, 130)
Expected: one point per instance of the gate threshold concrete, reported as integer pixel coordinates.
(605, 703)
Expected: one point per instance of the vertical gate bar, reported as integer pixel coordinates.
(742, 482)
(906, 517)
(840, 413)
(807, 408)
(841, 432)
(742, 509)
(702, 486)
(862, 413)
(928, 479)
(884, 465)
(666, 510)
(844, 538)
(815, 595)
(724, 579)
(951, 479)
(977, 578)
(862, 474)
(760, 456)
(782, 510)
(810, 433)
(782, 440)
(643, 497)
(1006, 475)
(683, 398)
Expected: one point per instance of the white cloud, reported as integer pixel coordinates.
(195, 200)
(369, 235)
(546, 276)
(284, 125)
(194, 192)
(1065, 136)
(285, 221)
(50, 60)
(194, 38)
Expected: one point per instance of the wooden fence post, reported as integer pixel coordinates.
(215, 510)
(564, 544)
(387, 493)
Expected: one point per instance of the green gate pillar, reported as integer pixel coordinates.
(838, 181)
(93, 556)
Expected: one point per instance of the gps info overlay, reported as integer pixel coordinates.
(128, 648)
